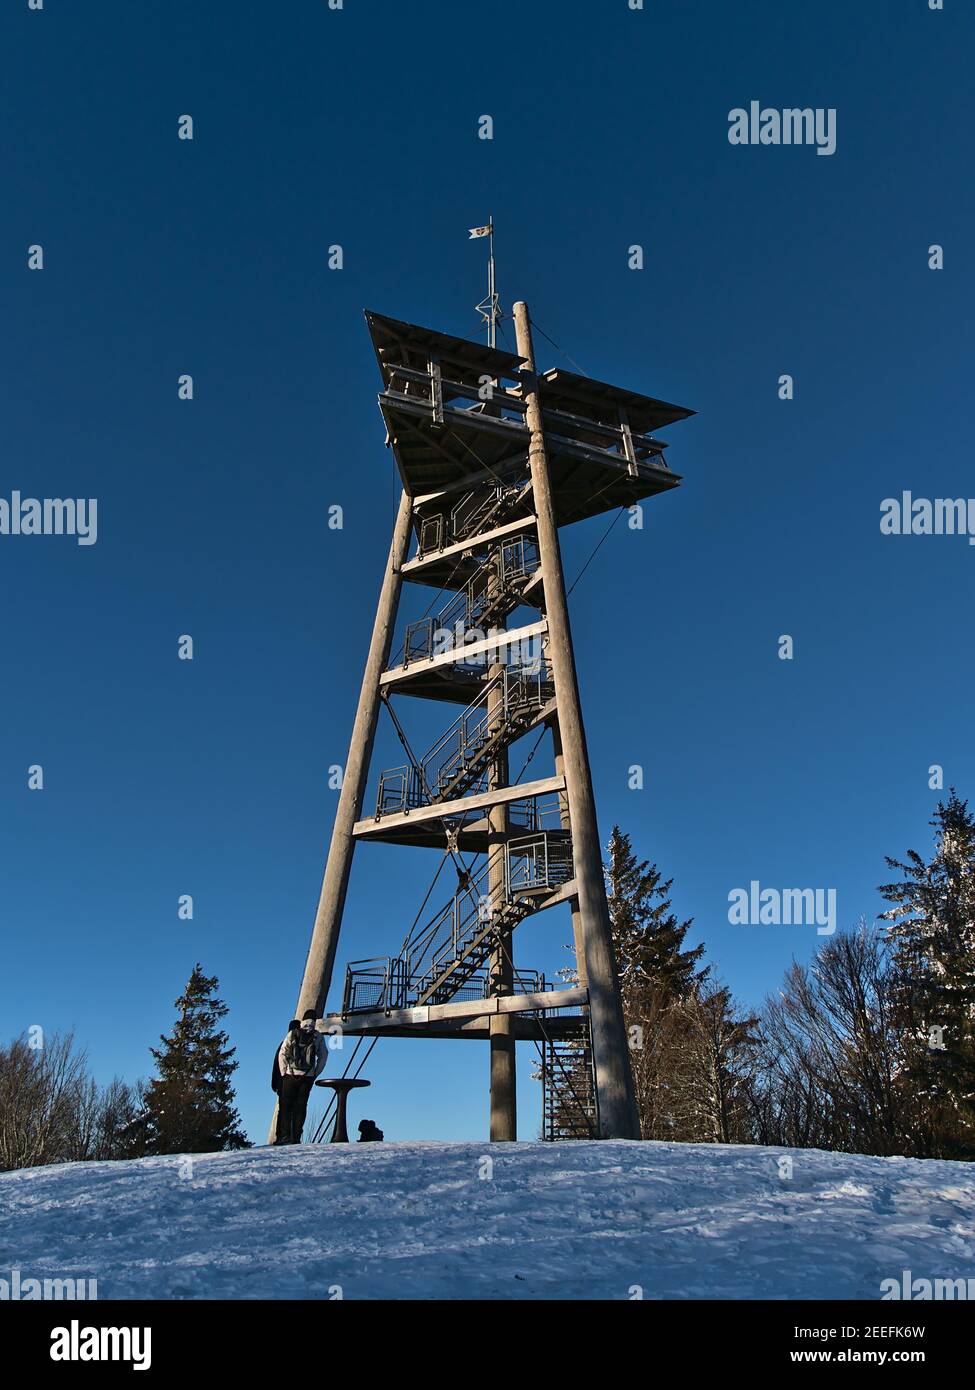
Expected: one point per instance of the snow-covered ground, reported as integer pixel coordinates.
(435, 1221)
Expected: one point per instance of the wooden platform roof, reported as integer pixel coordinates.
(586, 480)
(445, 442)
(568, 391)
(430, 458)
(407, 344)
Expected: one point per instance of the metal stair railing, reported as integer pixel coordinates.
(479, 919)
(538, 812)
(537, 863)
(447, 934)
(380, 985)
(440, 960)
(461, 755)
(419, 640)
(476, 511)
(459, 759)
(377, 983)
(400, 789)
(514, 562)
(477, 938)
(433, 534)
(487, 598)
(483, 505)
(568, 1089)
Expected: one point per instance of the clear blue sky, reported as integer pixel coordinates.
(358, 127)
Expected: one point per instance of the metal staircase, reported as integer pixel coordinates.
(486, 600)
(458, 941)
(568, 1088)
(507, 707)
(485, 506)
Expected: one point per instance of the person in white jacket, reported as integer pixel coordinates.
(299, 1060)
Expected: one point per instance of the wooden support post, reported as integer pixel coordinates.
(325, 933)
(578, 940)
(504, 1110)
(338, 866)
(618, 1118)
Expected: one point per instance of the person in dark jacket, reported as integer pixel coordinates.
(369, 1132)
(298, 1061)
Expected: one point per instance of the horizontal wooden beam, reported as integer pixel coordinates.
(461, 806)
(544, 1001)
(503, 637)
(563, 894)
(525, 1028)
(468, 546)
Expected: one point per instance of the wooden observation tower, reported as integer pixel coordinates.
(494, 458)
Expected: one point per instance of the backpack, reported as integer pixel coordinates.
(301, 1050)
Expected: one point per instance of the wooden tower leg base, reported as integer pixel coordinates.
(504, 1109)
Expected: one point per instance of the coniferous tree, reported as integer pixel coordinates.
(648, 939)
(668, 1010)
(932, 933)
(189, 1106)
(721, 1047)
(691, 1048)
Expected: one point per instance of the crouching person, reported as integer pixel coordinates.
(300, 1058)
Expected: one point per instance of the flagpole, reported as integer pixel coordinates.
(492, 327)
(489, 308)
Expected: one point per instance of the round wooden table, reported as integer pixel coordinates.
(341, 1085)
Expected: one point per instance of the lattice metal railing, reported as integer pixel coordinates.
(569, 1097)
(453, 945)
(485, 506)
(457, 763)
(538, 863)
(487, 598)
(380, 985)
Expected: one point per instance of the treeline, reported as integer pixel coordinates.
(869, 1048)
(52, 1111)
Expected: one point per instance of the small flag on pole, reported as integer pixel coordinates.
(479, 231)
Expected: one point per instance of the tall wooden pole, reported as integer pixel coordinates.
(578, 940)
(328, 918)
(618, 1118)
(338, 866)
(504, 1109)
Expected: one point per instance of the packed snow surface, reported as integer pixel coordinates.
(441, 1221)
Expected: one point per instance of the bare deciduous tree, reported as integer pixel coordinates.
(829, 1052)
(51, 1111)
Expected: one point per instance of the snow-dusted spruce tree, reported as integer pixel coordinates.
(689, 1047)
(648, 940)
(657, 981)
(714, 1055)
(189, 1106)
(932, 932)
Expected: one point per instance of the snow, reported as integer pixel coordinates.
(432, 1221)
